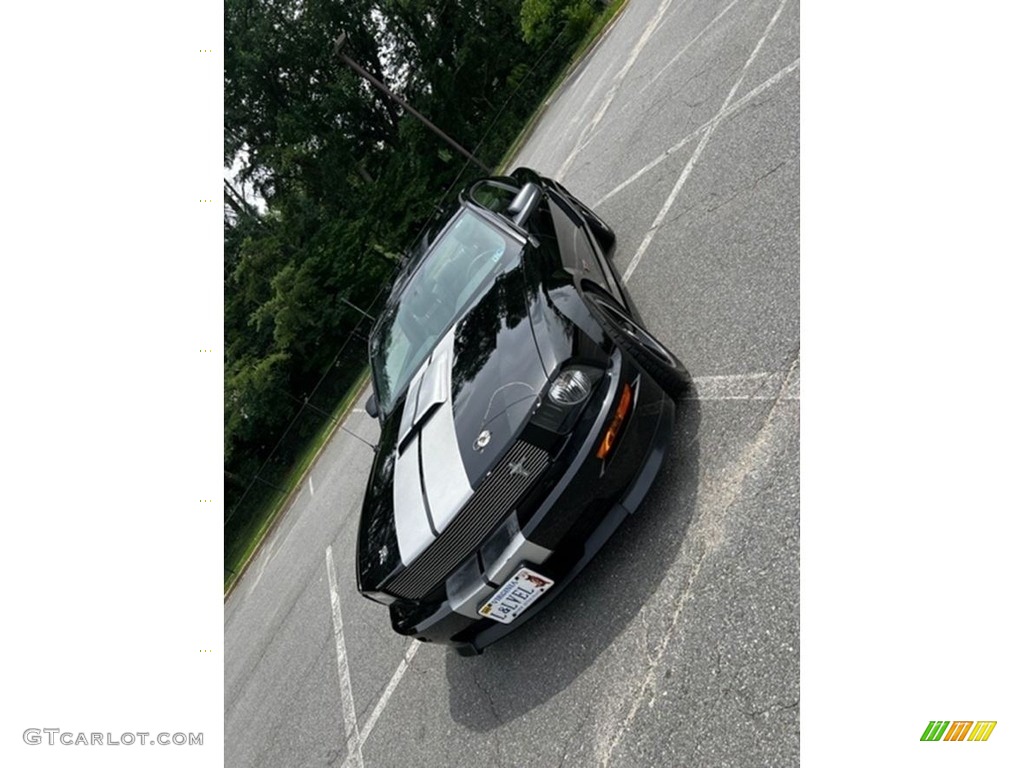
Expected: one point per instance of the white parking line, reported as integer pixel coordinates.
(613, 89)
(683, 50)
(749, 386)
(385, 697)
(734, 108)
(259, 575)
(656, 225)
(310, 478)
(395, 679)
(355, 749)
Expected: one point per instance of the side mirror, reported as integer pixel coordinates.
(525, 203)
(371, 406)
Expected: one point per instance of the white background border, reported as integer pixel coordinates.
(112, 417)
(911, 417)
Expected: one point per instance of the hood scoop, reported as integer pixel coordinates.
(430, 389)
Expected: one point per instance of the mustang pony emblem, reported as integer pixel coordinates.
(519, 468)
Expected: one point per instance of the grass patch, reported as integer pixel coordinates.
(596, 28)
(248, 541)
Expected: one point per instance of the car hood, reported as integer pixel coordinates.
(458, 417)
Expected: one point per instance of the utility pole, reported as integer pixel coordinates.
(338, 46)
(357, 309)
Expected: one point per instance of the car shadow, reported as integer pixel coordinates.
(548, 653)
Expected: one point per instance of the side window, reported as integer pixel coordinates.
(493, 195)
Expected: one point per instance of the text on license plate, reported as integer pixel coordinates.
(518, 594)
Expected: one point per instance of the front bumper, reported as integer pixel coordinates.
(578, 516)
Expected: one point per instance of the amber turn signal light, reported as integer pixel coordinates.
(625, 400)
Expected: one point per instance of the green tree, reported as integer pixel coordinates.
(345, 178)
(543, 20)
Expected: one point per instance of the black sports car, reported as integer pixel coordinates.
(524, 413)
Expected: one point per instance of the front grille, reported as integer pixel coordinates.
(493, 500)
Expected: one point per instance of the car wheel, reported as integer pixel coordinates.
(653, 356)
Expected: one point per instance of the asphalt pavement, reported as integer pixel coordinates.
(679, 644)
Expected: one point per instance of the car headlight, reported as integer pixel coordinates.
(566, 397)
(571, 387)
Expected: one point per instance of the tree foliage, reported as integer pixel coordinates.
(344, 178)
(543, 20)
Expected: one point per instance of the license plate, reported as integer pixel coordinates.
(518, 594)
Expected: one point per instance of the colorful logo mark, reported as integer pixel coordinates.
(958, 730)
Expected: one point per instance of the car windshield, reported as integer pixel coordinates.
(457, 269)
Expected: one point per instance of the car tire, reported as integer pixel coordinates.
(650, 354)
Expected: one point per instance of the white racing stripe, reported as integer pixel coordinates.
(412, 526)
(430, 482)
(444, 475)
(352, 739)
